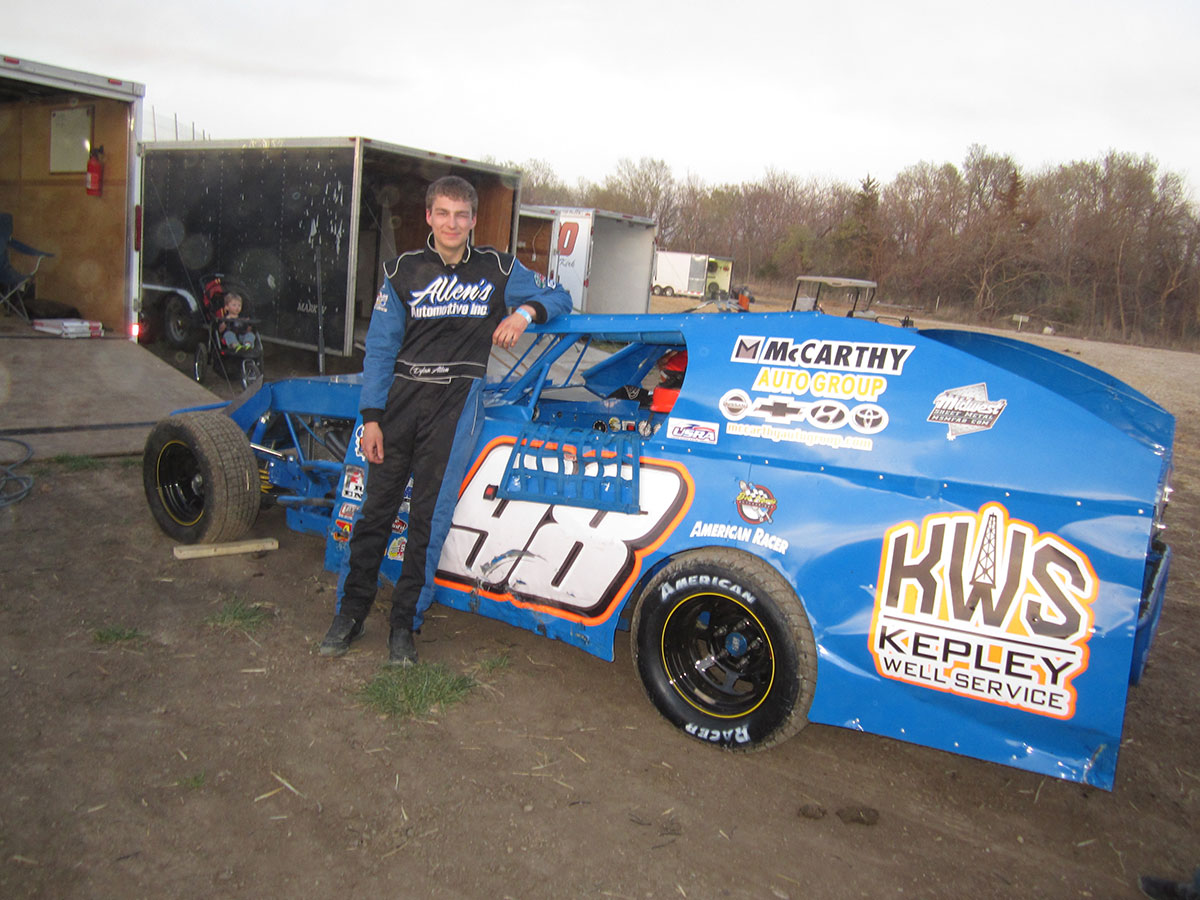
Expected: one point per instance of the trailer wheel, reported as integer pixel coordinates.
(724, 650)
(201, 478)
(178, 323)
(669, 291)
(656, 290)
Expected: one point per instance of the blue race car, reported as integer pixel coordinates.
(944, 537)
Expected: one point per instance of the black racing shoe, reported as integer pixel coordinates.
(1164, 889)
(401, 651)
(343, 630)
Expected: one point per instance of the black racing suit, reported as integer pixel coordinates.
(426, 357)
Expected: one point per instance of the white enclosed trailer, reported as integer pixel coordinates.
(53, 121)
(691, 274)
(602, 258)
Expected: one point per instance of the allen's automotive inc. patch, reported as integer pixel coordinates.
(985, 607)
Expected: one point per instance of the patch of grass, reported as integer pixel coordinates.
(238, 615)
(73, 463)
(493, 664)
(192, 782)
(115, 634)
(414, 691)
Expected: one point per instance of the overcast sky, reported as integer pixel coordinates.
(723, 91)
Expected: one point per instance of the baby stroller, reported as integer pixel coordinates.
(230, 346)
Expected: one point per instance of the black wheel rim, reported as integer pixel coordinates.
(180, 483)
(717, 654)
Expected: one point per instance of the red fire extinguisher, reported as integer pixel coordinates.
(95, 172)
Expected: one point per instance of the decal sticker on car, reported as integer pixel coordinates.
(354, 487)
(569, 561)
(341, 530)
(965, 410)
(758, 536)
(842, 356)
(800, 436)
(869, 418)
(842, 394)
(832, 385)
(691, 430)
(984, 607)
(755, 503)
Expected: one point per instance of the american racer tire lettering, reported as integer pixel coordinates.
(724, 649)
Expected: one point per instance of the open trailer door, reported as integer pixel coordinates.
(70, 178)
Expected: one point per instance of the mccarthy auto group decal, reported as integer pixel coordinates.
(985, 607)
(823, 385)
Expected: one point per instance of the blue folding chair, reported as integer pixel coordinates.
(12, 281)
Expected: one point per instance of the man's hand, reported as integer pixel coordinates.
(372, 442)
(509, 330)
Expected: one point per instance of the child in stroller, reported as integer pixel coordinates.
(231, 346)
(236, 332)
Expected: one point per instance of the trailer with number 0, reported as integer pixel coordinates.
(602, 258)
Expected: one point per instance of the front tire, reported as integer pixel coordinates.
(201, 478)
(725, 651)
(251, 374)
(200, 362)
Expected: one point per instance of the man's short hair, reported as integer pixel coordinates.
(453, 188)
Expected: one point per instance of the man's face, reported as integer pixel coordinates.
(451, 222)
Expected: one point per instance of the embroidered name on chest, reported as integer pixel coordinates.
(447, 296)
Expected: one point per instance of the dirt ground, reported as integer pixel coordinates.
(199, 762)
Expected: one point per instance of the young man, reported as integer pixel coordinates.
(435, 319)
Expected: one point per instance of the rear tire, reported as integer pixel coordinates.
(201, 478)
(178, 323)
(724, 650)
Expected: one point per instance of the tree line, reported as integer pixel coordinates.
(1109, 247)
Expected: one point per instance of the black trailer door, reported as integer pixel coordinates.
(276, 221)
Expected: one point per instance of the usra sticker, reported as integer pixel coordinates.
(691, 430)
(984, 607)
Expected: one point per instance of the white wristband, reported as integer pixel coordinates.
(524, 314)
